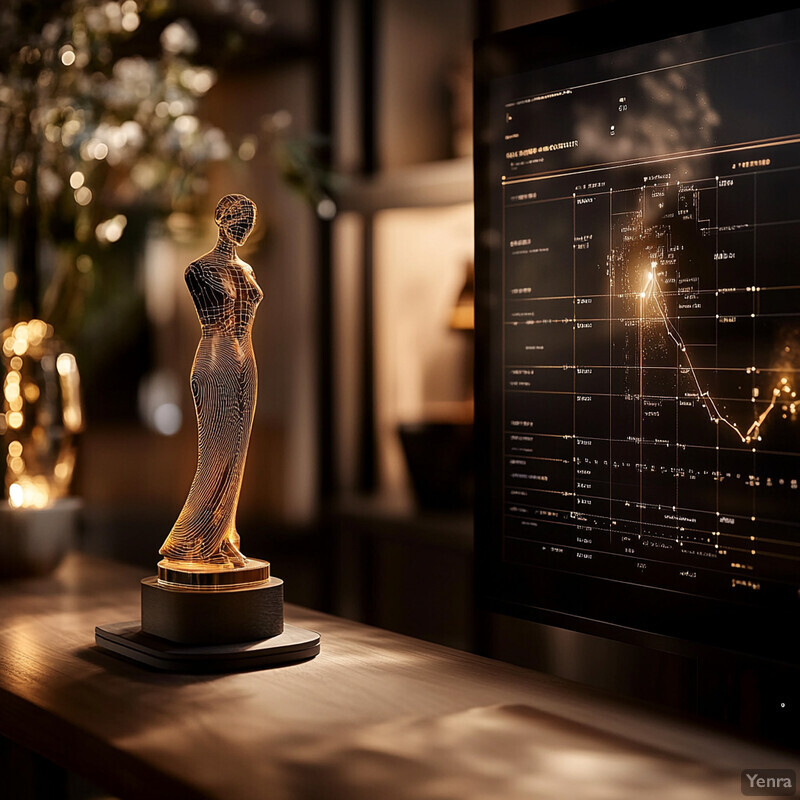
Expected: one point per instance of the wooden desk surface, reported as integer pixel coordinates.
(375, 715)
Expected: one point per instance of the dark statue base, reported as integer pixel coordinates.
(127, 639)
(190, 630)
(191, 616)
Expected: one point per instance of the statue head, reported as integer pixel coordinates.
(236, 217)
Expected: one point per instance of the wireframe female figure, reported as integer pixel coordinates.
(226, 295)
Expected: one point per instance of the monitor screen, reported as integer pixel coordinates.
(638, 326)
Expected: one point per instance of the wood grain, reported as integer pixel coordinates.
(374, 715)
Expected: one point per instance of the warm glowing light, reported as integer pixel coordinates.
(66, 364)
(67, 55)
(198, 80)
(62, 471)
(31, 392)
(111, 230)
(177, 107)
(67, 369)
(187, 124)
(37, 330)
(247, 149)
(178, 37)
(70, 129)
(83, 263)
(129, 22)
(648, 282)
(10, 281)
(167, 419)
(73, 419)
(258, 17)
(15, 495)
(77, 179)
(83, 196)
(40, 462)
(326, 208)
(278, 121)
(26, 492)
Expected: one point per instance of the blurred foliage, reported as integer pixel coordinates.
(100, 133)
(81, 127)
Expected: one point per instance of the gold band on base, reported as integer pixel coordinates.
(253, 573)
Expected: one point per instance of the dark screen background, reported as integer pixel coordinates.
(644, 335)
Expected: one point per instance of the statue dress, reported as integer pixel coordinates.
(226, 295)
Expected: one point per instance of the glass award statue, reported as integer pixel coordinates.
(211, 608)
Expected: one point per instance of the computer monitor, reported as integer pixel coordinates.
(638, 326)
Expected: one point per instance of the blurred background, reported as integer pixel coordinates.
(349, 123)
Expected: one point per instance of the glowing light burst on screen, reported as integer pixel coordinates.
(783, 394)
